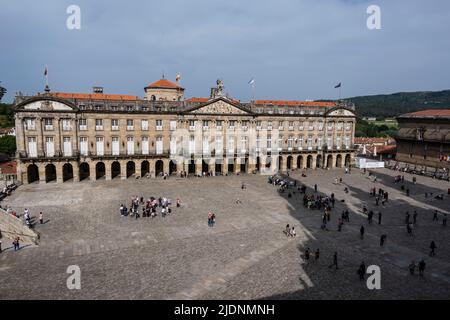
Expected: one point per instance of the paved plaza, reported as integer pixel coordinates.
(245, 256)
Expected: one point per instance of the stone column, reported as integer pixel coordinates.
(123, 169)
(41, 168)
(152, 163)
(198, 166)
(59, 172)
(76, 171)
(137, 168)
(212, 166)
(92, 171)
(108, 171)
(225, 165)
(237, 165)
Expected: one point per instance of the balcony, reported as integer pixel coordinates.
(83, 127)
(269, 128)
(159, 128)
(130, 128)
(98, 127)
(48, 127)
(301, 128)
(192, 128)
(115, 128)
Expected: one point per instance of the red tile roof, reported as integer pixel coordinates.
(94, 96)
(8, 167)
(164, 83)
(296, 103)
(363, 140)
(440, 113)
(203, 100)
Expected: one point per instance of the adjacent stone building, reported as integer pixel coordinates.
(70, 136)
(424, 138)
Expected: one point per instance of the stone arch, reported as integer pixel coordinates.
(280, 163)
(84, 171)
(329, 161)
(159, 167)
(32, 173)
(289, 162)
(100, 170)
(115, 169)
(205, 167)
(172, 167)
(339, 161)
(50, 172)
(231, 163)
(67, 171)
(309, 161)
(244, 165)
(348, 160)
(145, 168)
(319, 161)
(300, 162)
(131, 168)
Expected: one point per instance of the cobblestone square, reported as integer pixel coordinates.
(245, 256)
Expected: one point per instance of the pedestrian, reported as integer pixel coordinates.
(415, 217)
(293, 233)
(382, 239)
(287, 230)
(407, 192)
(433, 248)
(361, 232)
(412, 267)
(435, 216)
(370, 216)
(340, 223)
(316, 255)
(209, 219)
(409, 228)
(315, 187)
(307, 254)
(178, 203)
(444, 220)
(422, 266)
(41, 218)
(335, 261)
(407, 217)
(379, 217)
(213, 219)
(16, 243)
(361, 270)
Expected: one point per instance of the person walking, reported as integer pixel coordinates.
(412, 268)
(415, 217)
(435, 216)
(335, 261)
(379, 217)
(433, 248)
(370, 217)
(361, 232)
(316, 255)
(407, 217)
(16, 243)
(422, 266)
(315, 187)
(213, 219)
(409, 228)
(41, 218)
(382, 239)
(444, 220)
(307, 254)
(209, 219)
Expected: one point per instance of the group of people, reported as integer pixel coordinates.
(147, 208)
(290, 231)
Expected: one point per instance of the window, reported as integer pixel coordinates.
(205, 124)
(219, 124)
(244, 125)
(144, 125)
(159, 125)
(32, 147)
(191, 145)
(98, 124)
(319, 143)
(82, 107)
(30, 124)
(66, 124)
(205, 145)
(144, 144)
(114, 108)
(67, 147)
(280, 142)
(130, 145)
(244, 144)
(291, 125)
(290, 143)
(219, 144)
(173, 125)
(130, 108)
(339, 126)
(348, 126)
(311, 125)
(300, 143)
(320, 125)
(173, 145)
(130, 124)
(48, 124)
(300, 126)
(330, 126)
(84, 146)
(230, 149)
(49, 147)
(310, 143)
(280, 125)
(258, 144)
(100, 146)
(83, 124)
(338, 142)
(347, 142)
(115, 146)
(144, 108)
(97, 107)
(191, 124)
(258, 125)
(269, 142)
(329, 142)
(269, 125)
(232, 124)
(159, 145)
(114, 124)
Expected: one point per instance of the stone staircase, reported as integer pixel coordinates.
(12, 227)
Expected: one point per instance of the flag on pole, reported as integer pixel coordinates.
(45, 71)
(338, 85)
(178, 77)
(252, 81)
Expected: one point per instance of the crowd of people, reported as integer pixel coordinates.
(148, 208)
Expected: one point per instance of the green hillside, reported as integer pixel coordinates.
(391, 105)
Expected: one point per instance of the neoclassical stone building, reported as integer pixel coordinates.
(72, 137)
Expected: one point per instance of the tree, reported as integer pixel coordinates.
(8, 145)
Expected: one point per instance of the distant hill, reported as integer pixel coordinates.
(391, 105)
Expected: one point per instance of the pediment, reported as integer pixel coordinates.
(220, 106)
(341, 113)
(44, 105)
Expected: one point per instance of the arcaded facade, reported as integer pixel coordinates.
(72, 137)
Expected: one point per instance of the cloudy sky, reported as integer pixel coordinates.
(295, 49)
